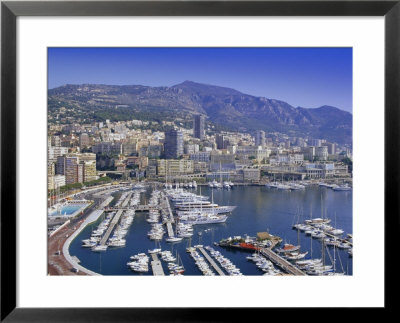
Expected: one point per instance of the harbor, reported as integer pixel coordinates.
(253, 210)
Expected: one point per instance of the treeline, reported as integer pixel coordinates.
(75, 186)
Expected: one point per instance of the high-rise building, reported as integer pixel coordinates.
(322, 152)
(71, 169)
(55, 141)
(173, 144)
(260, 138)
(54, 152)
(221, 141)
(222, 162)
(84, 140)
(331, 148)
(77, 168)
(174, 167)
(198, 126)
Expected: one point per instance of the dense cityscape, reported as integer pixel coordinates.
(84, 153)
(109, 167)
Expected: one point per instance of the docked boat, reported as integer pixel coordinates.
(203, 219)
(173, 239)
(288, 248)
(295, 255)
(99, 248)
(342, 188)
(156, 250)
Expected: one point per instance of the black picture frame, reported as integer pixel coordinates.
(10, 10)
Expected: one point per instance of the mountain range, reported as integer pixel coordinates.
(222, 106)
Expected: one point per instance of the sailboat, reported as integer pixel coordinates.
(155, 250)
(174, 238)
(177, 268)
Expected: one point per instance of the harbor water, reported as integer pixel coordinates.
(259, 209)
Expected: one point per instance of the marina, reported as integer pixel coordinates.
(156, 266)
(256, 209)
(212, 262)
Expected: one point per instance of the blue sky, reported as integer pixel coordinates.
(306, 77)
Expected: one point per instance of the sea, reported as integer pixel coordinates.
(259, 209)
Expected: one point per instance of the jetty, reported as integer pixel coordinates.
(156, 266)
(281, 262)
(114, 221)
(212, 262)
(170, 230)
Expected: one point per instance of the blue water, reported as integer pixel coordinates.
(68, 210)
(258, 209)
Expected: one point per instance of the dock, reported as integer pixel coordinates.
(114, 221)
(281, 262)
(139, 208)
(170, 230)
(110, 228)
(156, 266)
(212, 262)
(168, 207)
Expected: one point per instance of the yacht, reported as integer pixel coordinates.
(173, 239)
(203, 219)
(99, 248)
(342, 188)
(288, 248)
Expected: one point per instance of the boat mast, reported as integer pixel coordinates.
(310, 235)
(220, 174)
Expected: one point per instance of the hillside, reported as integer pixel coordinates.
(223, 106)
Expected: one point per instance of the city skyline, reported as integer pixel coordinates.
(305, 77)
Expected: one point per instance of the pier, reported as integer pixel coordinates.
(72, 259)
(140, 208)
(281, 262)
(156, 266)
(338, 238)
(167, 206)
(166, 209)
(114, 221)
(212, 262)
(170, 230)
(110, 228)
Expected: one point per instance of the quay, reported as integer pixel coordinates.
(212, 262)
(110, 228)
(156, 266)
(281, 262)
(72, 259)
(171, 216)
(114, 221)
(139, 208)
(170, 230)
(339, 239)
(166, 209)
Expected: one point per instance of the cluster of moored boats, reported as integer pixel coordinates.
(119, 233)
(291, 252)
(336, 187)
(287, 185)
(96, 235)
(174, 264)
(194, 209)
(185, 185)
(139, 263)
(319, 228)
(264, 264)
(227, 184)
(301, 185)
(200, 262)
(225, 263)
(157, 231)
(315, 267)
